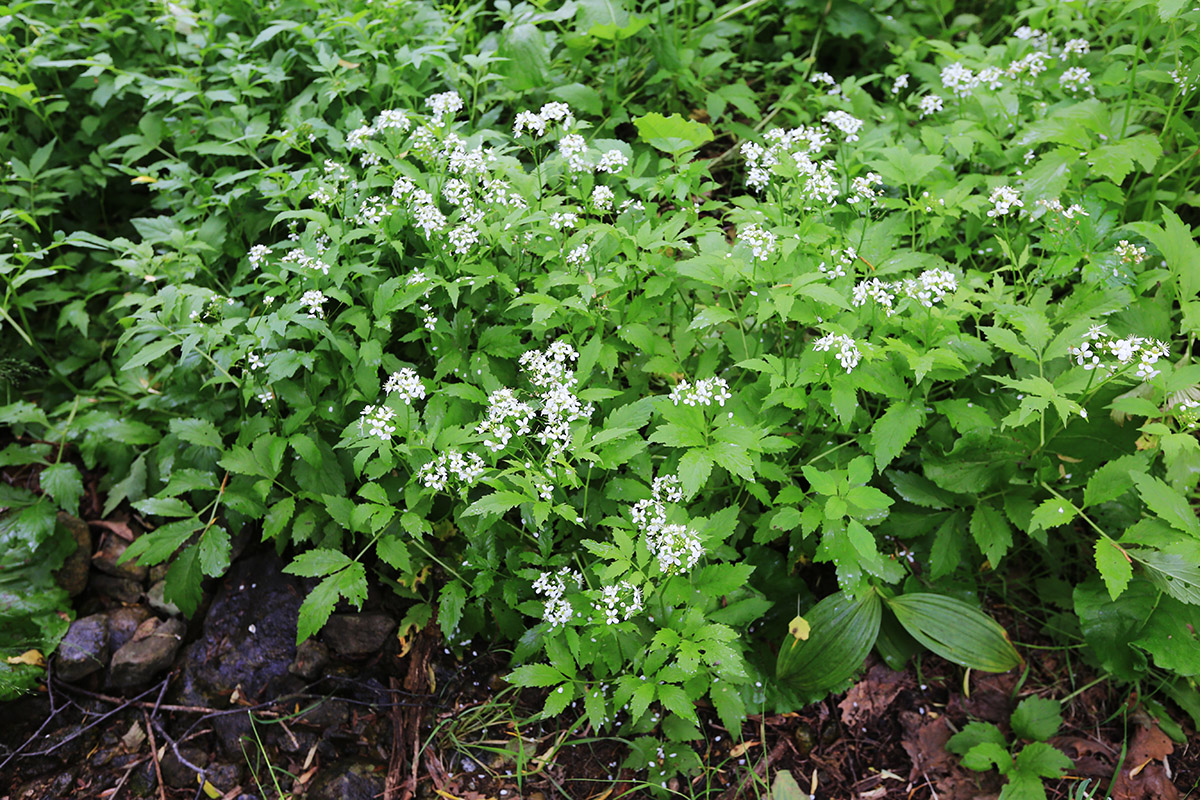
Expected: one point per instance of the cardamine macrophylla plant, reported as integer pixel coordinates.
(549, 389)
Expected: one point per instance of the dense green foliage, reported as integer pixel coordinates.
(596, 341)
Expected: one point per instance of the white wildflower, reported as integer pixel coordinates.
(258, 254)
(760, 241)
(1003, 200)
(406, 384)
(930, 104)
(703, 393)
(314, 300)
(847, 349)
(377, 421)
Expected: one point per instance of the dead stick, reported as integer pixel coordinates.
(162, 790)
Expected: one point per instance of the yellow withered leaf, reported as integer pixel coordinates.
(33, 658)
(799, 629)
(144, 179)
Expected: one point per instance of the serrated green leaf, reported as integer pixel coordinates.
(63, 482)
(495, 504)
(1114, 565)
(1051, 513)
(183, 581)
(214, 551)
(727, 700)
(1042, 760)
(196, 431)
(394, 552)
(318, 563)
(451, 601)
(675, 700)
(1036, 719)
(987, 755)
(278, 517)
(893, 431)
(991, 532)
(972, 734)
(595, 707)
(1172, 507)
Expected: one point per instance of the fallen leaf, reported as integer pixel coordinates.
(133, 738)
(925, 742)
(145, 629)
(870, 698)
(799, 628)
(741, 749)
(343, 63)
(1145, 777)
(33, 658)
(119, 528)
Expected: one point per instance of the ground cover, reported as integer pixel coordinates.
(690, 382)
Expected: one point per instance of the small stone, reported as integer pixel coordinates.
(358, 635)
(84, 649)
(123, 590)
(311, 658)
(123, 622)
(176, 773)
(346, 781)
(106, 557)
(73, 575)
(158, 602)
(139, 660)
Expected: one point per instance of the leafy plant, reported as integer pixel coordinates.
(983, 747)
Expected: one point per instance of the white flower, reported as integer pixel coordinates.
(865, 189)
(612, 162)
(760, 241)
(1130, 253)
(577, 256)
(529, 121)
(930, 104)
(557, 112)
(573, 149)
(1075, 80)
(619, 602)
(881, 292)
(466, 469)
(443, 105)
(847, 350)
(901, 82)
(563, 219)
(407, 384)
(602, 198)
(314, 300)
(258, 254)
(553, 586)
(392, 118)
(357, 138)
(253, 361)
(958, 79)
(1003, 200)
(844, 122)
(377, 420)
(1075, 47)
(703, 392)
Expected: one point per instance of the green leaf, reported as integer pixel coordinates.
(1036, 719)
(1168, 504)
(956, 631)
(643, 696)
(350, 583)
(536, 675)
(675, 700)
(727, 700)
(1110, 626)
(63, 482)
(159, 544)
(1111, 480)
(785, 787)
(214, 551)
(148, 353)
(495, 504)
(183, 580)
(673, 134)
(451, 601)
(974, 734)
(1114, 565)
(893, 431)
(694, 468)
(317, 563)
(1051, 513)
(196, 431)
(991, 532)
(164, 507)
(1172, 637)
(1042, 760)
(394, 552)
(278, 517)
(986, 755)
(842, 631)
(595, 707)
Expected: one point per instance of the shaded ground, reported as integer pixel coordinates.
(229, 708)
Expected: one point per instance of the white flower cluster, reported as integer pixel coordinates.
(549, 371)
(377, 421)
(930, 104)
(536, 123)
(254, 361)
(314, 300)
(842, 259)
(780, 142)
(928, 289)
(1075, 47)
(258, 254)
(676, 547)
(407, 384)
(847, 124)
(1003, 200)
(847, 350)
(1095, 344)
(1075, 80)
(1033, 64)
(1130, 253)
(1067, 212)
(619, 602)
(466, 468)
(901, 82)
(503, 408)
(703, 392)
(958, 79)
(1035, 36)
(866, 189)
(819, 187)
(602, 198)
(443, 105)
(553, 585)
(302, 259)
(760, 241)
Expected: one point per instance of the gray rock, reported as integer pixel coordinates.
(106, 557)
(358, 635)
(123, 623)
(311, 658)
(347, 780)
(73, 574)
(123, 590)
(248, 638)
(84, 649)
(139, 660)
(158, 602)
(176, 773)
(225, 776)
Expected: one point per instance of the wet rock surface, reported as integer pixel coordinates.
(147, 654)
(248, 639)
(84, 649)
(72, 576)
(358, 635)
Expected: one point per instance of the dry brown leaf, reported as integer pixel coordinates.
(121, 529)
(33, 658)
(145, 629)
(869, 699)
(925, 742)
